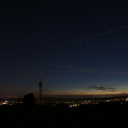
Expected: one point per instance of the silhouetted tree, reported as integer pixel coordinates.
(29, 100)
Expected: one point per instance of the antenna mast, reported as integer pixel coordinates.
(40, 85)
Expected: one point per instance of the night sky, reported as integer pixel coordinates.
(78, 48)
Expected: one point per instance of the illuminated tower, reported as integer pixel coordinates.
(40, 85)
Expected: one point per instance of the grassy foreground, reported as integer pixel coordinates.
(89, 115)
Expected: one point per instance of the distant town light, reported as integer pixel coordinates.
(4, 103)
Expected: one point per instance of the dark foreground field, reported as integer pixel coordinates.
(84, 116)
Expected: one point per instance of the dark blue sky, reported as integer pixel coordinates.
(77, 48)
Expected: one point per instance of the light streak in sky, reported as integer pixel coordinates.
(98, 35)
(91, 37)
